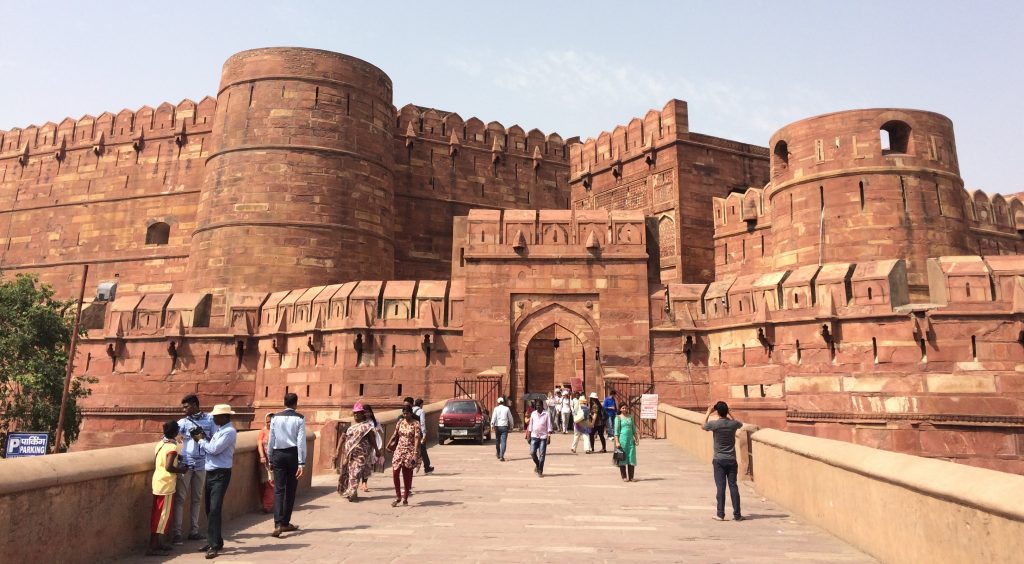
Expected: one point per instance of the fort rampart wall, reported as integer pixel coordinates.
(655, 164)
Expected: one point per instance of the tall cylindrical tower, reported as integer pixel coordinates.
(865, 185)
(298, 189)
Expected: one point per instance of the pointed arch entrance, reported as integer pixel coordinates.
(554, 344)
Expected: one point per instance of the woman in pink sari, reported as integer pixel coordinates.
(360, 447)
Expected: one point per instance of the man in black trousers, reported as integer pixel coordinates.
(419, 412)
(286, 450)
(220, 454)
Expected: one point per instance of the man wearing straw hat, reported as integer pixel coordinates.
(220, 454)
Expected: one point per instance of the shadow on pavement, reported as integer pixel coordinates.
(437, 503)
(271, 547)
(765, 516)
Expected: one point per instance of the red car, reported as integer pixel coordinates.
(463, 418)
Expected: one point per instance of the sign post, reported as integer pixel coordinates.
(649, 406)
(26, 444)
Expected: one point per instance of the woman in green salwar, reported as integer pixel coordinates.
(626, 439)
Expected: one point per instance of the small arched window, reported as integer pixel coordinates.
(158, 233)
(781, 153)
(894, 137)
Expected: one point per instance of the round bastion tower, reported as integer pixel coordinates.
(298, 188)
(865, 185)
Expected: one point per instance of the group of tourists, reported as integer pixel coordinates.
(193, 462)
(194, 457)
(589, 418)
(360, 450)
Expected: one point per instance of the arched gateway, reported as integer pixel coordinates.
(555, 344)
(555, 310)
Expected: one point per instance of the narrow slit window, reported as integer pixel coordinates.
(974, 347)
(874, 349)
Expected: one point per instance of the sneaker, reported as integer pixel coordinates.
(211, 554)
(196, 536)
(178, 540)
(739, 518)
(289, 528)
(276, 533)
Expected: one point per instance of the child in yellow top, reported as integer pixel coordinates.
(164, 482)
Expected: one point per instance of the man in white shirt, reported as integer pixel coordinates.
(501, 423)
(565, 411)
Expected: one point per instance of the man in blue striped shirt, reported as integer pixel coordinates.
(193, 457)
(286, 449)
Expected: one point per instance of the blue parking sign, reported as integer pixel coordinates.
(27, 444)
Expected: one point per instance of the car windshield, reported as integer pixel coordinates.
(460, 407)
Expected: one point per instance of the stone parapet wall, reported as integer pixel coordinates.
(896, 507)
(95, 506)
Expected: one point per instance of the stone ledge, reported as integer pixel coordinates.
(990, 491)
(31, 473)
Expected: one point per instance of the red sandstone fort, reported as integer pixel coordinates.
(299, 233)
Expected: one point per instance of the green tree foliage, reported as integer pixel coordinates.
(35, 335)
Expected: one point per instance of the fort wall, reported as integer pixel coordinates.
(657, 165)
(88, 191)
(445, 166)
(838, 351)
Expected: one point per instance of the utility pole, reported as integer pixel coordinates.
(71, 361)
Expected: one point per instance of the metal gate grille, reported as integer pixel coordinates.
(630, 392)
(486, 390)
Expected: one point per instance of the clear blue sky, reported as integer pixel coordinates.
(577, 68)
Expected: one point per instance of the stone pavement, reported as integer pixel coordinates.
(477, 509)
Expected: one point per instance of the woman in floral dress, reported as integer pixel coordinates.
(360, 446)
(406, 444)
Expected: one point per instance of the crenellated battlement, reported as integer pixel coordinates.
(417, 122)
(126, 126)
(367, 304)
(557, 232)
(638, 137)
(958, 284)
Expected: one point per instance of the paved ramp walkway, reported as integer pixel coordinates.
(477, 509)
